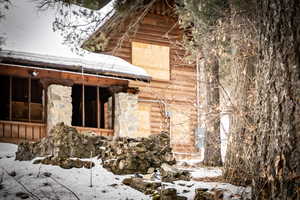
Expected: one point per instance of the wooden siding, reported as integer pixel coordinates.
(179, 93)
(22, 130)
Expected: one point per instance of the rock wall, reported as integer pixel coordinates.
(59, 108)
(126, 115)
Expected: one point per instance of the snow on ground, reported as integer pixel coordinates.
(199, 172)
(106, 185)
(206, 172)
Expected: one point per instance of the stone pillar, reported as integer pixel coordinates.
(126, 115)
(59, 107)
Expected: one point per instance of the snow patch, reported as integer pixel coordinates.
(106, 185)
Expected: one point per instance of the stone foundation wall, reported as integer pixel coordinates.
(126, 115)
(59, 108)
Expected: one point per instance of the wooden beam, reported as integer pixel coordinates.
(83, 107)
(113, 111)
(20, 71)
(48, 81)
(43, 104)
(10, 98)
(98, 107)
(29, 99)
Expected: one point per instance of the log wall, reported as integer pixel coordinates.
(179, 93)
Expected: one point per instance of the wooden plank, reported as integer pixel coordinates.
(113, 111)
(83, 106)
(1, 130)
(7, 130)
(36, 133)
(15, 130)
(10, 97)
(29, 99)
(23, 123)
(98, 107)
(43, 105)
(43, 132)
(22, 131)
(29, 133)
(144, 116)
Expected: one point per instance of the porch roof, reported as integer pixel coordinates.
(90, 63)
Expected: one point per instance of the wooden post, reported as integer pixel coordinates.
(83, 108)
(113, 111)
(10, 98)
(98, 107)
(29, 99)
(43, 104)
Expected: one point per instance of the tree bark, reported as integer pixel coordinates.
(212, 145)
(276, 155)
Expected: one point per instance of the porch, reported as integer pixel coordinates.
(26, 104)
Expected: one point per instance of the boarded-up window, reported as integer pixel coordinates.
(154, 59)
(144, 114)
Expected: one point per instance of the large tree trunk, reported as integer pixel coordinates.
(276, 156)
(212, 145)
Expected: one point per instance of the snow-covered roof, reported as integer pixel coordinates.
(29, 36)
(90, 63)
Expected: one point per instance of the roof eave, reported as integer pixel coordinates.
(6, 59)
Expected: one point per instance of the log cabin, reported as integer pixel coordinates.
(147, 34)
(161, 94)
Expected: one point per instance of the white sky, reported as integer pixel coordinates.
(25, 28)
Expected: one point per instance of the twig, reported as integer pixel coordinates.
(2, 177)
(56, 181)
(91, 171)
(23, 186)
(38, 175)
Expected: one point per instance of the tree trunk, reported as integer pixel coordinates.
(212, 146)
(276, 156)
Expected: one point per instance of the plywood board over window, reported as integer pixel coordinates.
(154, 59)
(144, 114)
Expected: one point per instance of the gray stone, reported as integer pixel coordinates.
(142, 185)
(205, 194)
(59, 107)
(126, 115)
(137, 155)
(65, 163)
(64, 141)
(169, 173)
(168, 194)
